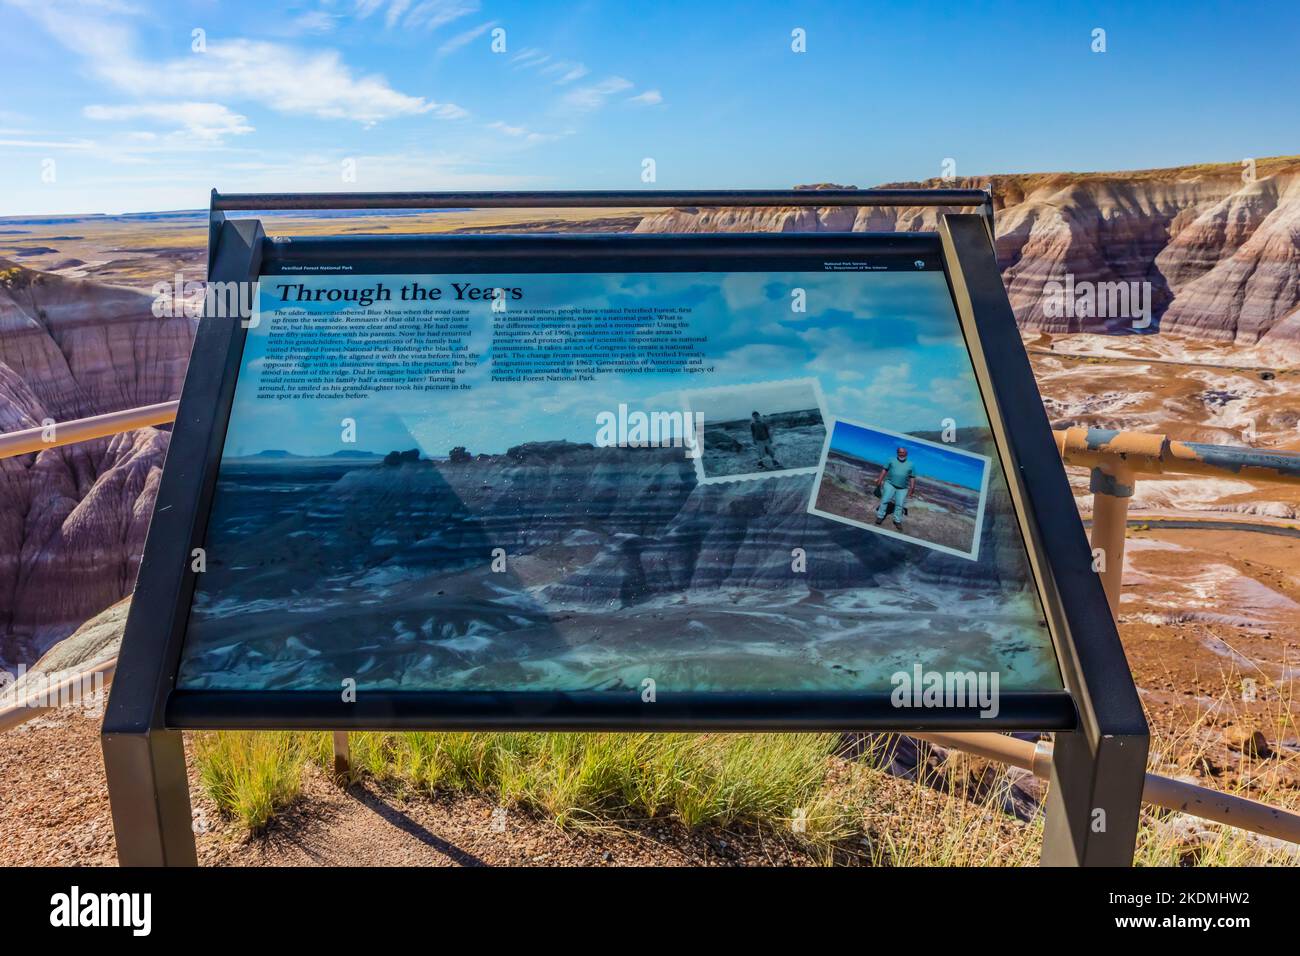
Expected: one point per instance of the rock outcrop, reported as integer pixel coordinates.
(73, 519)
(1220, 250)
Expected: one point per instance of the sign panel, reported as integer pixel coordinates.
(709, 473)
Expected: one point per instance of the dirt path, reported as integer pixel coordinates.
(54, 811)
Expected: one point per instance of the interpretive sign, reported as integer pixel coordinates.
(612, 478)
(617, 482)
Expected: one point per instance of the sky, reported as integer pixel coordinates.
(144, 105)
(930, 460)
(885, 347)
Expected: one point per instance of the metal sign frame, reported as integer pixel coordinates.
(1101, 732)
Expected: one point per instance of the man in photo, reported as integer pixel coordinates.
(762, 434)
(896, 481)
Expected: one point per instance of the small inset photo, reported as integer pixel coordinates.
(903, 487)
(758, 430)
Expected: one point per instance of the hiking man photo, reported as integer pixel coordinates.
(896, 481)
(762, 434)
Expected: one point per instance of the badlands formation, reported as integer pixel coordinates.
(73, 519)
(1222, 257)
(1220, 245)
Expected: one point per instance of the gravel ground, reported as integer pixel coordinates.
(54, 811)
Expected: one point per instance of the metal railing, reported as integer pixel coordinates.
(1116, 459)
(54, 434)
(15, 713)
(1177, 795)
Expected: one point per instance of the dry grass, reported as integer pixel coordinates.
(840, 810)
(251, 776)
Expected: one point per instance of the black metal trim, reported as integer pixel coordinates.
(588, 199)
(151, 645)
(290, 257)
(144, 763)
(522, 711)
(1098, 770)
(702, 252)
(584, 199)
(1092, 656)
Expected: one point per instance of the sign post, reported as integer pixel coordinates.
(632, 482)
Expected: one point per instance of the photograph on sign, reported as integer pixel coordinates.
(903, 486)
(757, 430)
(580, 481)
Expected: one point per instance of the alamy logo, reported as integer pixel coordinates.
(957, 689)
(45, 690)
(624, 429)
(74, 908)
(213, 300)
(1098, 300)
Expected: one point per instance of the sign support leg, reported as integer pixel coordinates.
(150, 796)
(1094, 800)
(342, 756)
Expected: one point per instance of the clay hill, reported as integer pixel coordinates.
(1220, 247)
(73, 519)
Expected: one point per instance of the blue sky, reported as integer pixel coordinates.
(942, 463)
(885, 347)
(111, 109)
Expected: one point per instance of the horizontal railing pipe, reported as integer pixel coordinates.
(16, 712)
(83, 429)
(1148, 454)
(1159, 791)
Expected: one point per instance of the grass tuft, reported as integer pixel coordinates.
(250, 776)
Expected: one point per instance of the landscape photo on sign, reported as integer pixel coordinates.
(427, 486)
(902, 486)
(757, 430)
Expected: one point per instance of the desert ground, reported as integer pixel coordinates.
(139, 250)
(1210, 609)
(938, 513)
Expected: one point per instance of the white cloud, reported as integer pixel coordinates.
(593, 97)
(427, 15)
(648, 98)
(48, 143)
(395, 11)
(205, 121)
(567, 71)
(314, 21)
(521, 132)
(283, 78)
(465, 38)
(564, 71)
(529, 57)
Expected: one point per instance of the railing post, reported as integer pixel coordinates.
(342, 755)
(1111, 490)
